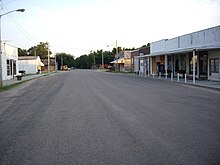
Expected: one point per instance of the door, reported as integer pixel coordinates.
(203, 65)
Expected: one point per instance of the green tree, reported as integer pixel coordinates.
(114, 50)
(87, 61)
(41, 50)
(84, 62)
(22, 52)
(65, 59)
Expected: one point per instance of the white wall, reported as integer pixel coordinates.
(141, 66)
(201, 39)
(136, 65)
(28, 65)
(172, 44)
(208, 38)
(158, 46)
(8, 53)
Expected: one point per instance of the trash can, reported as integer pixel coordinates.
(19, 77)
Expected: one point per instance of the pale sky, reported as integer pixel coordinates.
(79, 26)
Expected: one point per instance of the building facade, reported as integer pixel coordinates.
(139, 63)
(52, 65)
(9, 61)
(30, 64)
(122, 62)
(196, 54)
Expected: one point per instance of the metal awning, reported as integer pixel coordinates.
(39, 63)
(118, 61)
(180, 51)
(113, 62)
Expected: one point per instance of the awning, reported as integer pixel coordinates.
(179, 51)
(39, 63)
(119, 61)
(113, 62)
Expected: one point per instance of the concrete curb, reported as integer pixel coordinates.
(25, 78)
(208, 84)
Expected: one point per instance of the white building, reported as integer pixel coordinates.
(196, 54)
(30, 64)
(9, 61)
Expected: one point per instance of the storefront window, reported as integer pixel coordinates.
(203, 63)
(11, 66)
(8, 67)
(183, 62)
(14, 67)
(214, 65)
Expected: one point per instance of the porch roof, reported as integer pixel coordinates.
(118, 61)
(40, 63)
(113, 62)
(179, 51)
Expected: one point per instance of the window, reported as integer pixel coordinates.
(214, 65)
(183, 62)
(8, 67)
(11, 66)
(14, 67)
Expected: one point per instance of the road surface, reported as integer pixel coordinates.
(88, 118)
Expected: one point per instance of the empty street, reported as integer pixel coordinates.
(86, 117)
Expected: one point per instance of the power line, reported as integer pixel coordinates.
(19, 27)
(8, 2)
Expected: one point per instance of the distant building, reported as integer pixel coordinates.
(138, 62)
(30, 64)
(123, 61)
(9, 61)
(52, 65)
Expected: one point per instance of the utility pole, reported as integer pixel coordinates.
(55, 58)
(61, 58)
(94, 59)
(48, 63)
(1, 53)
(35, 56)
(102, 60)
(116, 56)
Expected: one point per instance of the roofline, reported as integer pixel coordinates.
(180, 51)
(187, 34)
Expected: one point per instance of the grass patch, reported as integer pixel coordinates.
(8, 87)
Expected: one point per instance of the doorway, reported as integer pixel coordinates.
(203, 65)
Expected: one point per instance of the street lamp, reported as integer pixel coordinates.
(18, 10)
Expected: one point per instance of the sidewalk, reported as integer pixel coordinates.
(24, 78)
(201, 83)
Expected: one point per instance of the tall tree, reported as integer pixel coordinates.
(87, 61)
(65, 59)
(22, 52)
(41, 50)
(84, 62)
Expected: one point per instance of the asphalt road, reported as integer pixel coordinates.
(87, 117)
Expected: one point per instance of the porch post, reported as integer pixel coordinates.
(145, 67)
(151, 66)
(140, 66)
(194, 67)
(166, 65)
(148, 65)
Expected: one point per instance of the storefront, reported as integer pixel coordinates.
(214, 63)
